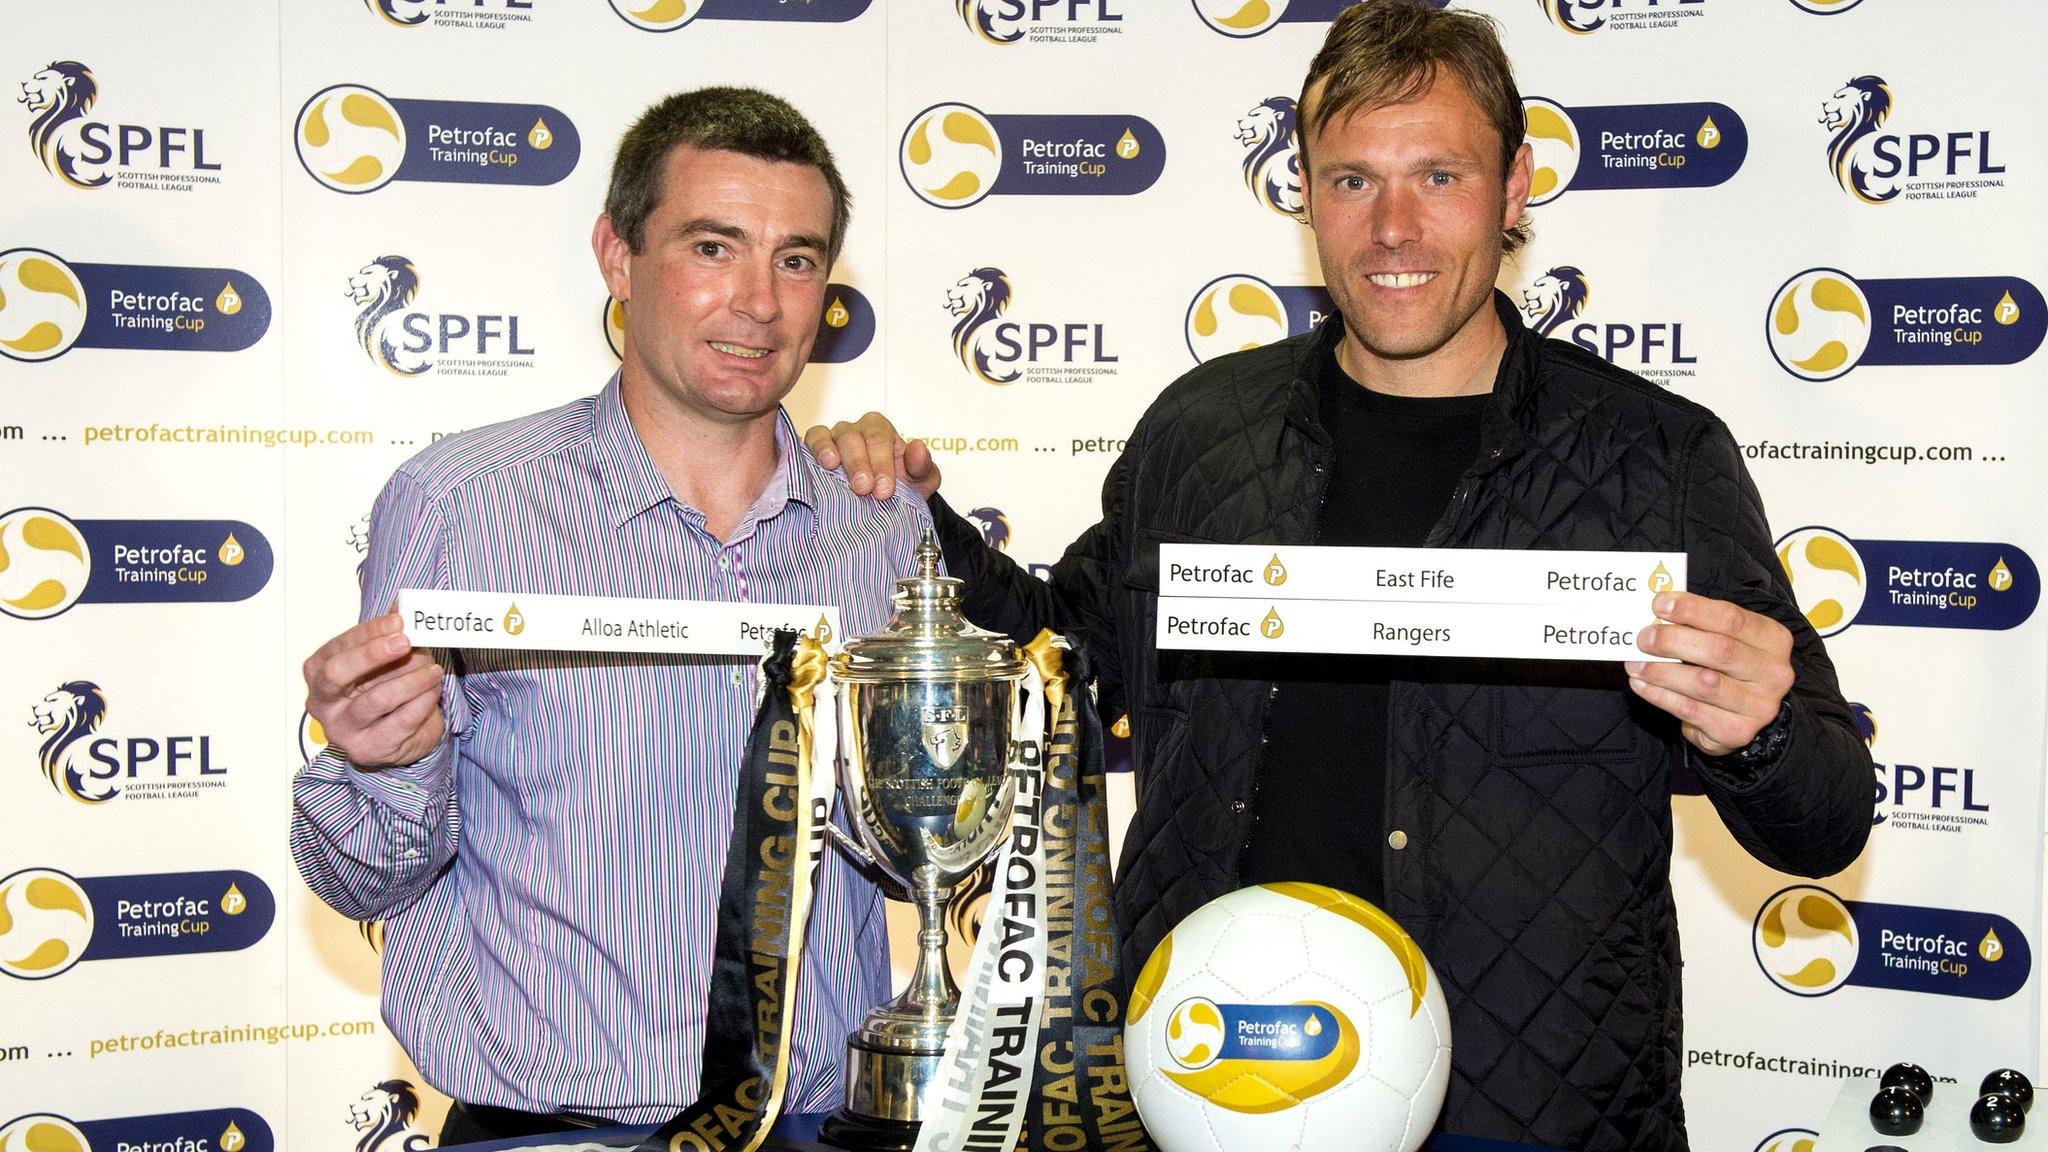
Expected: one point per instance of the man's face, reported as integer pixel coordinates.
(1408, 205)
(723, 299)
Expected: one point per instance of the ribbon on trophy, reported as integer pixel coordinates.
(779, 825)
(1034, 1056)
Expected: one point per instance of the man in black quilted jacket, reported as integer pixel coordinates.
(1515, 817)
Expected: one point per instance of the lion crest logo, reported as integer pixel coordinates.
(978, 300)
(995, 527)
(981, 20)
(1553, 298)
(1571, 16)
(64, 718)
(388, 10)
(60, 95)
(384, 1116)
(1271, 135)
(380, 288)
(1853, 112)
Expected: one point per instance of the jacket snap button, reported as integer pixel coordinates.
(1238, 806)
(1397, 839)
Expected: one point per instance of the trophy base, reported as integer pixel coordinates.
(857, 1133)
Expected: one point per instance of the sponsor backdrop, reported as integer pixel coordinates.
(252, 256)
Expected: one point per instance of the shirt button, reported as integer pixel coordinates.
(1397, 839)
(412, 853)
(1238, 806)
(739, 675)
(725, 563)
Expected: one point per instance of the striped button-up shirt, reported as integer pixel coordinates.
(549, 876)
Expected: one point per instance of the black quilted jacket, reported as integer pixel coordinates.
(1533, 798)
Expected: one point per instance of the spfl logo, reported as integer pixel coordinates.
(955, 155)
(1937, 798)
(355, 139)
(1041, 21)
(383, 1118)
(1810, 942)
(995, 527)
(1631, 146)
(1244, 18)
(225, 1129)
(92, 153)
(1271, 136)
(1585, 17)
(1824, 322)
(50, 562)
(1238, 312)
(1003, 351)
(1878, 167)
(49, 305)
(1553, 303)
(409, 342)
(479, 15)
(1838, 581)
(51, 921)
(669, 15)
(846, 327)
(85, 765)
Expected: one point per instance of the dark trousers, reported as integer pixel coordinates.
(473, 1123)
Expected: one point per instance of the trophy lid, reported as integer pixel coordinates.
(929, 638)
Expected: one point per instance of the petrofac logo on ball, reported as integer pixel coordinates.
(476, 15)
(1042, 21)
(1237, 312)
(1631, 146)
(1824, 322)
(1271, 136)
(1655, 349)
(846, 327)
(93, 153)
(1001, 351)
(1243, 18)
(354, 139)
(1838, 581)
(408, 342)
(1810, 942)
(48, 306)
(225, 1129)
(49, 562)
(51, 921)
(955, 155)
(90, 768)
(1585, 17)
(1879, 167)
(669, 15)
(1932, 799)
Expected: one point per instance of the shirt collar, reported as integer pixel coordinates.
(632, 484)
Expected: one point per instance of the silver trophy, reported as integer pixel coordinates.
(926, 720)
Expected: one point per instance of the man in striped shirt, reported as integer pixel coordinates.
(542, 833)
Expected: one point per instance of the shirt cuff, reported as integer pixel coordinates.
(417, 791)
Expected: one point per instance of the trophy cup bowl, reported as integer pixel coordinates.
(927, 714)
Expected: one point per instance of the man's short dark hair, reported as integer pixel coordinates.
(743, 120)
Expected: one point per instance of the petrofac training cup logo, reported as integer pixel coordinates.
(355, 139)
(1238, 312)
(51, 921)
(1878, 167)
(225, 1129)
(90, 768)
(955, 155)
(42, 1132)
(409, 343)
(1810, 942)
(1837, 581)
(1552, 305)
(49, 306)
(1001, 351)
(1823, 322)
(1585, 17)
(846, 326)
(50, 562)
(90, 154)
(1067, 22)
(1789, 1140)
(669, 15)
(1631, 146)
(1244, 18)
(1271, 135)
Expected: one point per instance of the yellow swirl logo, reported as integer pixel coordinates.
(42, 305)
(43, 1132)
(350, 138)
(1819, 324)
(615, 326)
(44, 563)
(1806, 941)
(1240, 18)
(46, 921)
(658, 15)
(1233, 314)
(1194, 1034)
(951, 155)
(1554, 147)
(1828, 577)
